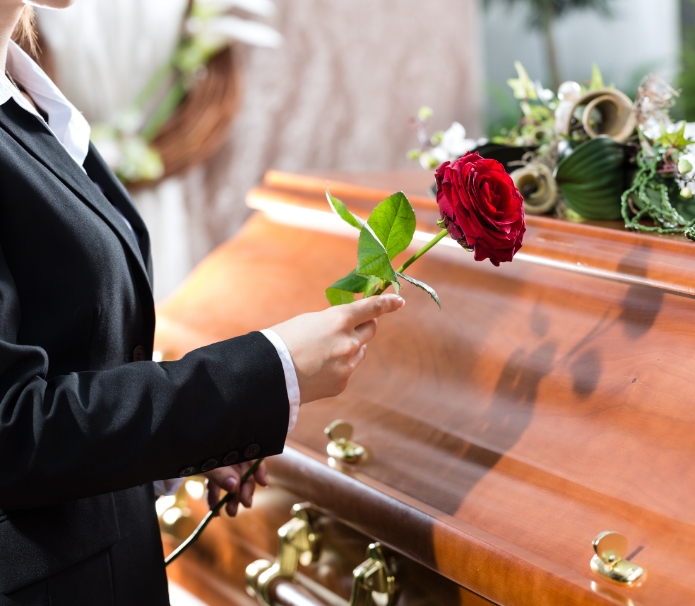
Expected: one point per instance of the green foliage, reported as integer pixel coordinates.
(596, 79)
(685, 107)
(372, 258)
(428, 289)
(656, 198)
(341, 210)
(686, 83)
(388, 232)
(344, 290)
(676, 140)
(522, 86)
(393, 222)
(536, 118)
(592, 178)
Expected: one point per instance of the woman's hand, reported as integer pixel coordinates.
(228, 478)
(327, 346)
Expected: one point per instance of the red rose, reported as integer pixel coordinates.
(481, 207)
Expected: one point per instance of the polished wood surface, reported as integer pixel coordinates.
(550, 400)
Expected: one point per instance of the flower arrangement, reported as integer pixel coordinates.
(588, 152)
(146, 142)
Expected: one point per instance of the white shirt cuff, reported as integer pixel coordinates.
(165, 488)
(290, 374)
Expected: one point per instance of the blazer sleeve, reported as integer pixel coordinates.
(89, 433)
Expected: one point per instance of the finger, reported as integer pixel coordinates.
(365, 332)
(232, 506)
(227, 478)
(357, 359)
(213, 494)
(367, 309)
(261, 475)
(246, 492)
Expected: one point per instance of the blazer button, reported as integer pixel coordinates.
(251, 451)
(139, 354)
(187, 471)
(230, 458)
(209, 465)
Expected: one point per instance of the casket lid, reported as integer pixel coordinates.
(549, 401)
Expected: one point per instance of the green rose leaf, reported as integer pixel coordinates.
(341, 210)
(428, 289)
(343, 291)
(393, 223)
(372, 258)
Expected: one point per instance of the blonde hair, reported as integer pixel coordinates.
(24, 33)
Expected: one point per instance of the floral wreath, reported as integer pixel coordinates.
(182, 116)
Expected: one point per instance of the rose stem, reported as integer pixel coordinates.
(211, 514)
(440, 236)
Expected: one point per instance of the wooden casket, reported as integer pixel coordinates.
(550, 401)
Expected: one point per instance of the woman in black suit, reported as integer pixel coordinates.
(87, 421)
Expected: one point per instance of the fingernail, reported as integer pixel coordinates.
(401, 300)
(230, 484)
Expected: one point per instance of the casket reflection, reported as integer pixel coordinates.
(548, 402)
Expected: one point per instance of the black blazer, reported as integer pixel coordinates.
(85, 427)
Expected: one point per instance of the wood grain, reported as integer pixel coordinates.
(550, 400)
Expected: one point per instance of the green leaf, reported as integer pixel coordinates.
(343, 291)
(596, 79)
(523, 87)
(428, 289)
(592, 178)
(372, 258)
(393, 222)
(341, 210)
(677, 139)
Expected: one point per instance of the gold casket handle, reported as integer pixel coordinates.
(275, 584)
(610, 563)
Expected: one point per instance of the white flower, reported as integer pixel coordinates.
(428, 161)
(652, 129)
(440, 155)
(690, 131)
(686, 164)
(569, 91)
(225, 29)
(454, 142)
(544, 94)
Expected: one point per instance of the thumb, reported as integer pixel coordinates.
(365, 310)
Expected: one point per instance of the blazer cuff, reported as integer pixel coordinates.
(290, 374)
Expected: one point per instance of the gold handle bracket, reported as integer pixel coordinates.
(299, 543)
(341, 446)
(374, 582)
(609, 562)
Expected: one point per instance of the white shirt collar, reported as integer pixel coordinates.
(68, 125)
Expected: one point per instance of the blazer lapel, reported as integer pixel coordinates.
(43, 145)
(100, 173)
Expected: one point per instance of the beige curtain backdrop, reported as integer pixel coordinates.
(338, 94)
